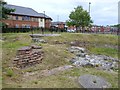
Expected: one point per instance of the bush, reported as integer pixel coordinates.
(16, 30)
(9, 72)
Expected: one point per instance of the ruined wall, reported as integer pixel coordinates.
(28, 56)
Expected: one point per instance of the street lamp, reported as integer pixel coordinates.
(89, 12)
(89, 7)
(44, 19)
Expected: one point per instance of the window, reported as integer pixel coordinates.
(41, 20)
(28, 26)
(26, 18)
(17, 26)
(22, 17)
(23, 25)
(16, 17)
(10, 17)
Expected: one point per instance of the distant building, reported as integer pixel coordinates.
(60, 25)
(119, 12)
(25, 17)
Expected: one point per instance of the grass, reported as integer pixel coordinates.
(52, 82)
(9, 72)
(107, 75)
(105, 51)
(55, 55)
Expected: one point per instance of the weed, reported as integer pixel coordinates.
(9, 72)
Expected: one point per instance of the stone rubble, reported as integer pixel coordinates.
(38, 40)
(28, 56)
(99, 61)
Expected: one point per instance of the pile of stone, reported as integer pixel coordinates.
(99, 61)
(28, 56)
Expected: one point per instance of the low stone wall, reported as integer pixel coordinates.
(28, 56)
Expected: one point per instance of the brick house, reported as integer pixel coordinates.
(60, 25)
(25, 17)
(48, 20)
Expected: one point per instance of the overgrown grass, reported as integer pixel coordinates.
(110, 77)
(53, 81)
(105, 51)
(9, 72)
(55, 55)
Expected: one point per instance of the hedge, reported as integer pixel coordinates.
(17, 30)
(24, 30)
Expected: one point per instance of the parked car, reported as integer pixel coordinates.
(70, 30)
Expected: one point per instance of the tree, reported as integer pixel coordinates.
(79, 17)
(70, 23)
(5, 11)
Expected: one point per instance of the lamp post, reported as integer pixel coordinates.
(89, 7)
(44, 23)
(89, 12)
(44, 19)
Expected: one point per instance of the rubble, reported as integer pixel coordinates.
(100, 61)
(28, 56)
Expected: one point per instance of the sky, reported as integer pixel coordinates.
(101, 12)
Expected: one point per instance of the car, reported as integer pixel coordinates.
(70, 30)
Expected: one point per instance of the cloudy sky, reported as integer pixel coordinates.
(102, 12)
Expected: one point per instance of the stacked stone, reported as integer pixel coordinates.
(28, 56)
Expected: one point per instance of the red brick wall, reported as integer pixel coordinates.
(48, 23)
(61, 25)
(12, 23)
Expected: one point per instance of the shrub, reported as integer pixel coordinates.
(9, 72)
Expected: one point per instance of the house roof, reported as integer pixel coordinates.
(20, 10)
(47, 17)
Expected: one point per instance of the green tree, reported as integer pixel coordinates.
(79, 17)
(5, 11)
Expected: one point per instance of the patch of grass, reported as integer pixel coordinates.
(105, 51)
(91, 38)
(9, 72)
(52, 82)
(110, 77)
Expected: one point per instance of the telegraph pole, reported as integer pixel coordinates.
(89, 7)
(44, 19)
(89, 14)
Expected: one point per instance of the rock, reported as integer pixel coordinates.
(57, 42)
(100, 61)
(92, 81)
(81, 63)
(42, 41)
(74, 43)
(35, 39)
(72, 60)
(75, 49)
(36, 47)
(39, 40)
(81, 54)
